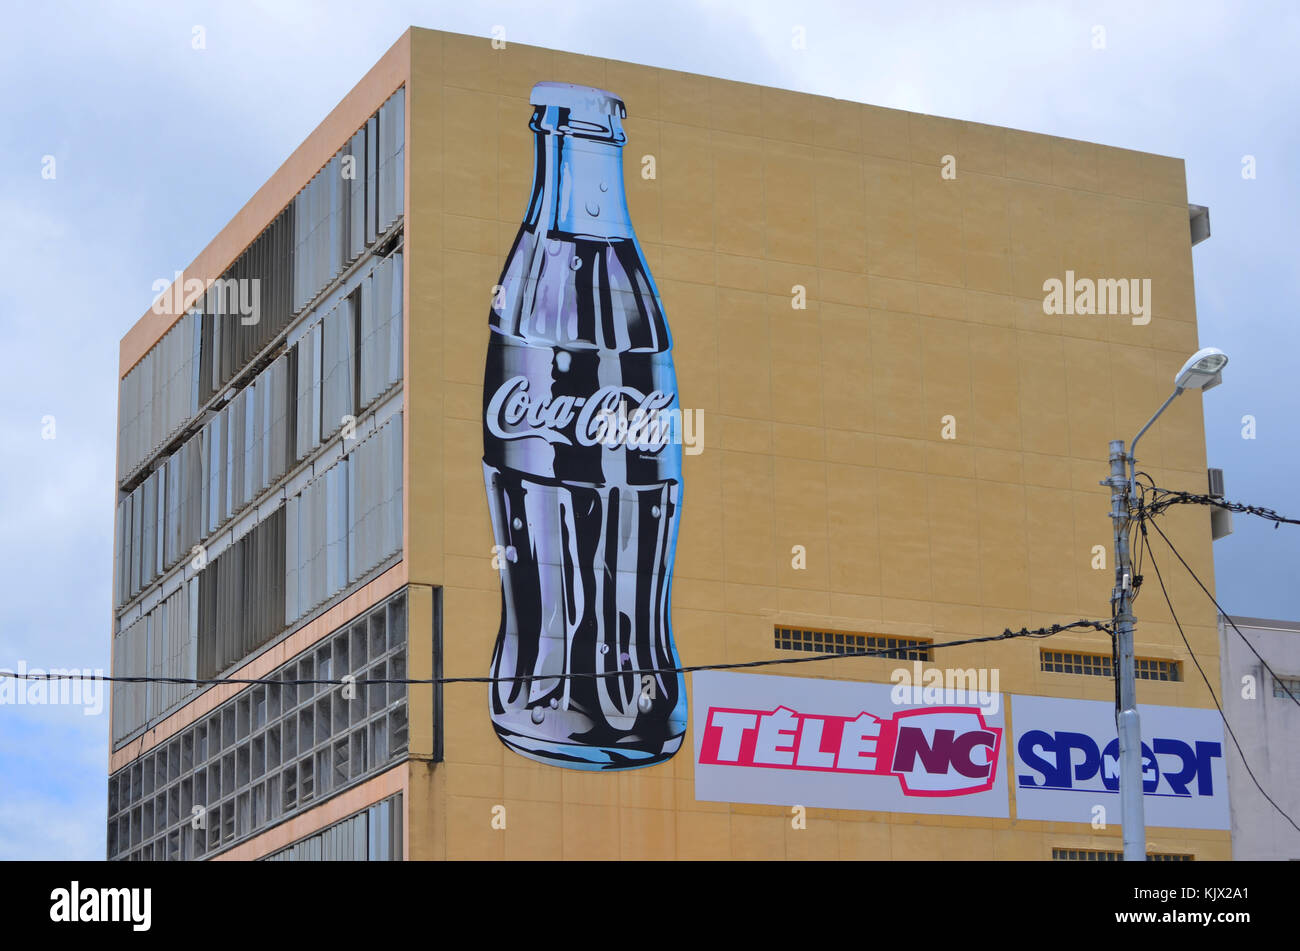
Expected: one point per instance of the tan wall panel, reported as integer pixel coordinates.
(822, 425)
(425, 307)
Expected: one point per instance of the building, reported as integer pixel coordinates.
(1265, 719)
(900, 447)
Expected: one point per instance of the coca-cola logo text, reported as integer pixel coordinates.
(603, 418)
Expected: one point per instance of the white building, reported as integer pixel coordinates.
(1267, 723)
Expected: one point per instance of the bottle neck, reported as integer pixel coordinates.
(578, 186)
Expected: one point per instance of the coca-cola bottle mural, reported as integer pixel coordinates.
(582, 459)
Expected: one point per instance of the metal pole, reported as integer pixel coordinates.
(1132, 817)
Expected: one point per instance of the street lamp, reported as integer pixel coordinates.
(1202, 371)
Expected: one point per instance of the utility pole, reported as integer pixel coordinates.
(1132, 812)
(1202, 371)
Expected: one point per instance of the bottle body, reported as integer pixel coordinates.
(581, 464)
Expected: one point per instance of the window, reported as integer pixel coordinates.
(1098, 855)
(380, 329)
(241, 599)
(1060, 662)
(278, 420)
(338, 367)
(311, 745)
(326, 227)
(1101, 665)
(1150, 669)
(283, 568)
(841, 642)
(1283, 684)
(346, 522)
(372, 835)
(221, 451)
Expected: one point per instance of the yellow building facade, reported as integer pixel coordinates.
(897, 441)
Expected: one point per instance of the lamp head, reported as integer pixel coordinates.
(1203, 370)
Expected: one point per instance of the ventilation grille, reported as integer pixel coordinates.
(843, 642)
(1098, 855)
(1100, 665)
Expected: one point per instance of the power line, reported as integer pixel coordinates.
(1222, 612)
(1164, 498)
(1134, 529)
(1209, 686)
(1007, 634)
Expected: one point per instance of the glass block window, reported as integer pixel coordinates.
(372, 835)
(1101, 665)
(1100, 855)
(842, 642)
(1151, 669)
(1063, 662)
(271, 751)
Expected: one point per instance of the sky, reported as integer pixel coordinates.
(156, 145)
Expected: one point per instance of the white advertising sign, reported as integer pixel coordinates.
(1067, 763)
(845, 745)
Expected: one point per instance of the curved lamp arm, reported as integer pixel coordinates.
(1132, 449)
